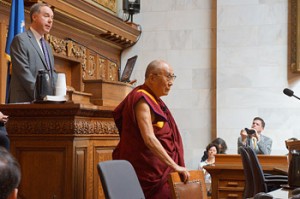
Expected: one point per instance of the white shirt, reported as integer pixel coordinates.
(37, 37)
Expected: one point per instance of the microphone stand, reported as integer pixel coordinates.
(296, 97)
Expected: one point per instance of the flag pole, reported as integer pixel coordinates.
(16, 26)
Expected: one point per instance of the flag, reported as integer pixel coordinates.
(16, 26)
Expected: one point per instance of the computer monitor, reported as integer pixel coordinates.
(125, 77)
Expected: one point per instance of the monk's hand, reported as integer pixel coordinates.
(184, 173)
(3, 118)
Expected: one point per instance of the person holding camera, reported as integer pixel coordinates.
(253, 137)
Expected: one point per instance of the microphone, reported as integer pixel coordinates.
(290, 93)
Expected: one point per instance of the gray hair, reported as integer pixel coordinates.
(36, 8)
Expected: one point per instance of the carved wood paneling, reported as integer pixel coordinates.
(95, 127)
(81, 160)
(62, 126)
(100, 154)
(110, 36)
(59, 120)
(93, 65)
(109, 4)
(293, 36)
(39, 163)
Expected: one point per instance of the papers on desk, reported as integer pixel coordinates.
(53, 98)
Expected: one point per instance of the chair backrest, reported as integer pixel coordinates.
(292, 145)
(195, 188)
(248, 173)
(262, 195)
(119, 180)
(258, 173)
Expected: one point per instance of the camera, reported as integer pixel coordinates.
(250, 131)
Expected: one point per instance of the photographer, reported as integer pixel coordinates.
(252, 137)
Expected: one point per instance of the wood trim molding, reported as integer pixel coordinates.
(294, 44)
(95, 21)
(60, 119)
(110, 5)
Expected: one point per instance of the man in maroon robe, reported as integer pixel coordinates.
(149, 137)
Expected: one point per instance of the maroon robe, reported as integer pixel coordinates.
(151, 171)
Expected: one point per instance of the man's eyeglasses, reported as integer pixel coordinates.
(169, 76)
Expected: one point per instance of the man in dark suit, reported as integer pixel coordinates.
(29, 55)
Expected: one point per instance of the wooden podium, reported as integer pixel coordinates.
(228, 176)
(58, 147)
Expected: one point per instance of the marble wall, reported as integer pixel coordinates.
(230, 58)
(252, 70)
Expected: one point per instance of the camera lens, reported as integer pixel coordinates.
(249, 131)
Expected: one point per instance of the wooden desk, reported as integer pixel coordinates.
(228, 175)
(58, 147)
(282, 171)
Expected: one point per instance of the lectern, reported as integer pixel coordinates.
(58, 147)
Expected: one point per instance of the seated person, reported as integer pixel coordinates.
(222, 148)
(4, 141)
(10, 175)
(255, 139)
(212, 149)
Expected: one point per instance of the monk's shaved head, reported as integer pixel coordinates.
(154, 67)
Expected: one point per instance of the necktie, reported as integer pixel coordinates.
(46, 54)
(254, 141)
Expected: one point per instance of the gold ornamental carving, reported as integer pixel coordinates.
(113, 72)
(95, 127)
(31, 125)
(89, 71)
(108, 4)
(101, 72)
(94, 66)
(62, 126)
(58, 45)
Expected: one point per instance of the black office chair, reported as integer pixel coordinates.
(262, 183)
(248, 173)
(262, 195)
(119, 180)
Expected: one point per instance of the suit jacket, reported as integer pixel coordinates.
(27, 59)
(4, 140)
(2, 129)
(264, 146)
